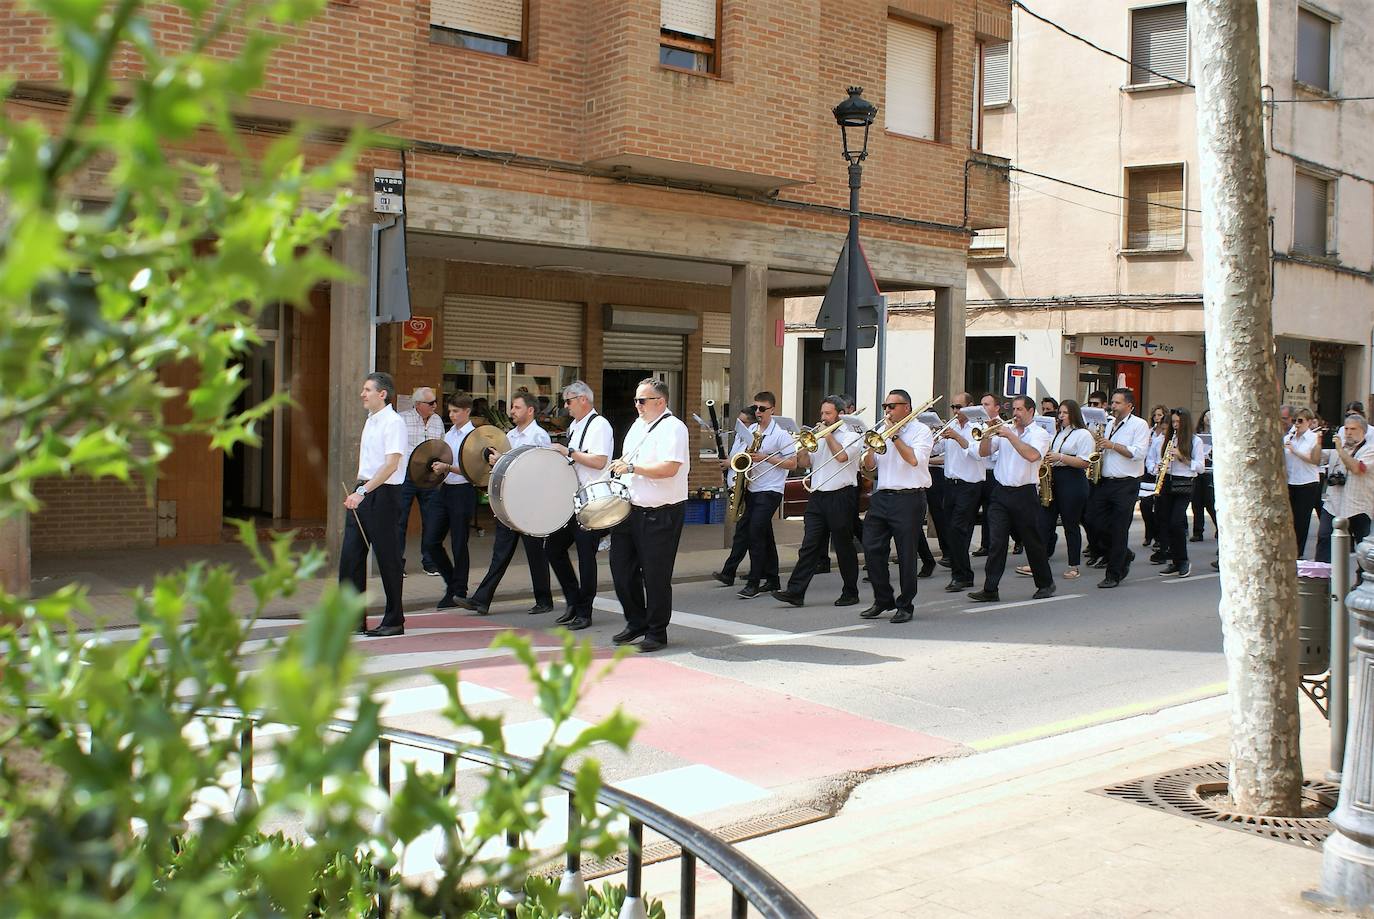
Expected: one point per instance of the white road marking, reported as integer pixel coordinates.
(743, 630)
(770, 639)
(979, 608)
(1191, 577)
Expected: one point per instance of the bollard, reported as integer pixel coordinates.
(1348, 856)
(1338, 690)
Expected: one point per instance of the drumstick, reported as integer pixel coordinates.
(356, 518)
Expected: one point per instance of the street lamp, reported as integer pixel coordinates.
(852, 115)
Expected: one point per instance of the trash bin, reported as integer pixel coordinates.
(1314, 625)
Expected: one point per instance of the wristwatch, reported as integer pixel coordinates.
(630, 468)
(361, 491)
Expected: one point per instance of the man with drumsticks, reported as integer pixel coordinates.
(591, 442)
(422, 423)
(456, 507)
(644, 545)
(526, 431)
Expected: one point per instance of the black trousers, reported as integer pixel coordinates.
(983, 503)
(754, 537)
(1112, 507)
(1171, 518)
(643, 552)
(937, 502)
(579, 588)
(829, 520)
(502, 551)
(1015, 512)
(1070, 501)
(1092, 528)
(1148, 515)
(892, 519)
(378, 515)
(1305, 500)
(1204, 501)
(1359, 529)
(453, 509)
(429, 499)
(961, 509)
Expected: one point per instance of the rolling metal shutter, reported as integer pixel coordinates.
(1154, 215)
(1314, 49)
(690, 17)
(912, 56)
(997, 73)
(646, 350)
(715, 330)
(494, 18)
(511, 329)
(1159, 41)
(1311, 214)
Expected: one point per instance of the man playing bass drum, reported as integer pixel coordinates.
(591, 442)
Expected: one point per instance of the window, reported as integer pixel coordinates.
(912, 61)
(997, 73)
(1314, 50)
(493, 26)
(1312, 210)
(687, 35)
(1159, 42)
(1154, 208)
(988, 244)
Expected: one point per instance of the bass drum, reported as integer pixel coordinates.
(532, 490)
(601, 505)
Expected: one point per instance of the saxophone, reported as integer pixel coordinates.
(1166, 460)
(1046, 484)
(1095, 459)
(740, 463)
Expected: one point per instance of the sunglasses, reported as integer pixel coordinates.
(889, 406)
(763, 408)
(640, 400)
(430, 402)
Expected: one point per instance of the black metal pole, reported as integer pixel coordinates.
(851, 298)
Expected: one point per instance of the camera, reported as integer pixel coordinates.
(1336, 478)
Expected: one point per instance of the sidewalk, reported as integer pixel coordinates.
(1019, 832)
(110, 574)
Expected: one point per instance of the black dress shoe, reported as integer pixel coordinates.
(1090, 561)
(386, 631)
(1100, 563)
(1158, 558)
(727, 579)
(980, 552)
(568, 616)
(954, 587)
(848, 600)
(1216, 564)
(1108, 583)
(874, 611)
(946, 563)
(783, 596)
(649, 645)
(1016, 548)
(626, 635)
(902, 615)
(540, 608)
(1044, 593)
(578, 624)
(1196, 537)
(984, 596)
(1169, 569)
(468, 603)
(823, 569)
(927, 569)
(362, 628)
(769, 586)
(749, 592)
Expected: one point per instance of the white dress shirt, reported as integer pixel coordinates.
(767, 476)
(592, 435)
(1134, 434)
(960, 463)
(531, 434)
(1009, 467)
(1073, 442)
(895, 473)
(1356, 496)
(454, 439)
(1154, 452)
(383, 434)
(417, 431)
(665, 439)
(1300, 471)
(835, 475)
(1197, 461)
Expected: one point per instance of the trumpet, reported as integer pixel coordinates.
(876, 439)
(807, 440)
(994, 424)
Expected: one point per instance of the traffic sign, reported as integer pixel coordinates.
(1015, 380)
(388, 191)
(834, 338)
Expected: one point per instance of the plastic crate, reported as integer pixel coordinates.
(703, 511)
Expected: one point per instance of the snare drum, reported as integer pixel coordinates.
(601, 505)
(532, 490)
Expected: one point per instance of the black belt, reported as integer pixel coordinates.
(900, 491)
(1017, 487)
(958, 481)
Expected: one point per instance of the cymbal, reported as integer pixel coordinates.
(472, 457)
(418, 466)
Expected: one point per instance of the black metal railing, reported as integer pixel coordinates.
(750, 884)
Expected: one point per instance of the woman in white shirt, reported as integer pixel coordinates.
(1349, 485)
(1171, 506)
(1149, 514)
(1302, 457)
(1068, 462)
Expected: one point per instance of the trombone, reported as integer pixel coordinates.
(807, 440)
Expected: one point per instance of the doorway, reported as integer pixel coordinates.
(984, 358)
(253, 481)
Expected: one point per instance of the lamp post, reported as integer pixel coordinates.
(853, 115)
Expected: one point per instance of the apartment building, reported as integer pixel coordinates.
(1098, 275)
(605, 190)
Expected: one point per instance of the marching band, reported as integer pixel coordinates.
(1040, 468)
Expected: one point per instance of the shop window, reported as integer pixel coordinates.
(1314, 50)
(688, 31)
(497, 382)
(491, 26)
(1313, 207)
(913, 55)
(1159, 44)
(1155, 208)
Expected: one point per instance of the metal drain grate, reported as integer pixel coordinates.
(1181, 793)
(663, 850)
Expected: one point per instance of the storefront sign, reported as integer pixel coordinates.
(1297, 384)
(1142, 347)
(417, 334)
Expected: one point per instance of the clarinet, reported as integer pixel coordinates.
(720, 438)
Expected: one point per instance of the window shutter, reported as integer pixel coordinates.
(691, 17)
(1314, 50)
(912, 56)
(1154, 215)
(493, 18)
(997, 73)
(1310, 208)
(510, 329)
(642, 351)
(1159, 41)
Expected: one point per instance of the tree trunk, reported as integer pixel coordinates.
(1258, 550)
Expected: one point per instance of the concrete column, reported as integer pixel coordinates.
(350, 343)
(751, 336)
(950, 320)
(14, 555)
